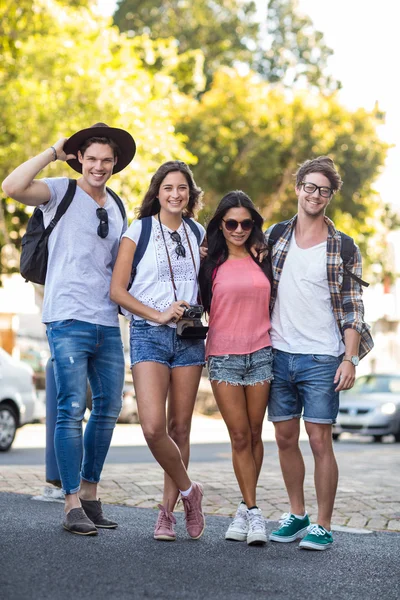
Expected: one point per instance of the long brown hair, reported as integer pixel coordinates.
(151, 204)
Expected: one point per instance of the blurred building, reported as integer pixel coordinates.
(382, 312)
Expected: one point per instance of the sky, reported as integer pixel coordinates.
(365, 38)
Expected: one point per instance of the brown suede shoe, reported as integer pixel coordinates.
(94, 511)
(76, 521)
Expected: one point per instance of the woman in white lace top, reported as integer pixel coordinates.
(165, 284)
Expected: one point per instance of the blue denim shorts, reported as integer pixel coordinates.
(303, 384)
(242, 369)
(159, 343)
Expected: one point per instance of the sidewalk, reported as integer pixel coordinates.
(368, 495)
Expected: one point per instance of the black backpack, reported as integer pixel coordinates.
(34, 252)
(346, 251)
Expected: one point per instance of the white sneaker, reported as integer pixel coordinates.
(257, 533)
(51, 494)
(239, 527)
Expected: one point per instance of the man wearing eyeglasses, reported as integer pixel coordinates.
(318, 335)
(82, 321)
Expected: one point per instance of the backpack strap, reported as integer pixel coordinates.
(141, 246)
(62, 207)
(347, 252)
(118, 201)
(144, 238)
(276, 232)
(194, 228)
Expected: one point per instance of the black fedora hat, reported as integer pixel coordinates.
(123, 139)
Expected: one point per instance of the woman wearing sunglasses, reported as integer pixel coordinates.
(235, 287)
(163, 364)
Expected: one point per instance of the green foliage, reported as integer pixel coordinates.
(63, 68)
(248, 135)
(227, 33)
(224, 31)
(297, 53)
(74, 70)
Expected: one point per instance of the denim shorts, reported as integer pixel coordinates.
(242, 369)
(159, 343)
(303, 384)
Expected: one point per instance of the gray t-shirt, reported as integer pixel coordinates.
(80, 262)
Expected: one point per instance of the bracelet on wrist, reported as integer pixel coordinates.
(55, 157)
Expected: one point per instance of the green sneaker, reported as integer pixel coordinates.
(317, 538)
(290, 528)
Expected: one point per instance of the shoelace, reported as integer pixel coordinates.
(286, 519)
(165, 518)
(241, 515)
(256, 521)
(189, 512)
(240, 520)
(316, 530)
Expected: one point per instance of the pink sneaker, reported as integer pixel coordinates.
(164, 529)
(193, 514)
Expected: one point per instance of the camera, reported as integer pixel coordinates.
(190, 325)
(195, 311)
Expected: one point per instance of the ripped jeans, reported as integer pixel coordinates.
(82, 351)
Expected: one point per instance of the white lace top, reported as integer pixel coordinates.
(152, 285)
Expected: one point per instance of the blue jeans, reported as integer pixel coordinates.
(303, 383)
(79, 351)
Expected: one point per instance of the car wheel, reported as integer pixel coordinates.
(8, 427)
(378, 438)
(335, 436)
(397, 436)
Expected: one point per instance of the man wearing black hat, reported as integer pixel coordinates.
(82, 321)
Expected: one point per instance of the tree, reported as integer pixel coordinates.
(228, 33)
(76, 72)
(249, 135)
(224, 31)
(294, 52)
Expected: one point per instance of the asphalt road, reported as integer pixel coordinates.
(199, 452)
(38, 559)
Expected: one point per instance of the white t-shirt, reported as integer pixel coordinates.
(152, 285)
(80, 262)
(302, 319)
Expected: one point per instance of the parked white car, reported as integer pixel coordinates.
(18, 399)
(371, 407)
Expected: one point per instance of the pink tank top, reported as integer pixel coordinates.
(239, 316)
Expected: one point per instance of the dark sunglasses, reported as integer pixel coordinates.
(102, 229)
(232, 224)
(180, 249)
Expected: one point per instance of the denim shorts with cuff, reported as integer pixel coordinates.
(303, 385)
(159, 343)
(242, 369)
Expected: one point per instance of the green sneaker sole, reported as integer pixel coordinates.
(305, 545)
(288, 538)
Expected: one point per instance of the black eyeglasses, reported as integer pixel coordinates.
(310, 188)
(232, 224)
(102, 229)
(180, 249)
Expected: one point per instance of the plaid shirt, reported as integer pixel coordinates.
(346, 293)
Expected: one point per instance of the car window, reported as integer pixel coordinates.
(376, 384)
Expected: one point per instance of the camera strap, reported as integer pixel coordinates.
(169, 259)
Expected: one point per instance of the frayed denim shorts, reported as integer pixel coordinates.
(159, 343)
(242, 369)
